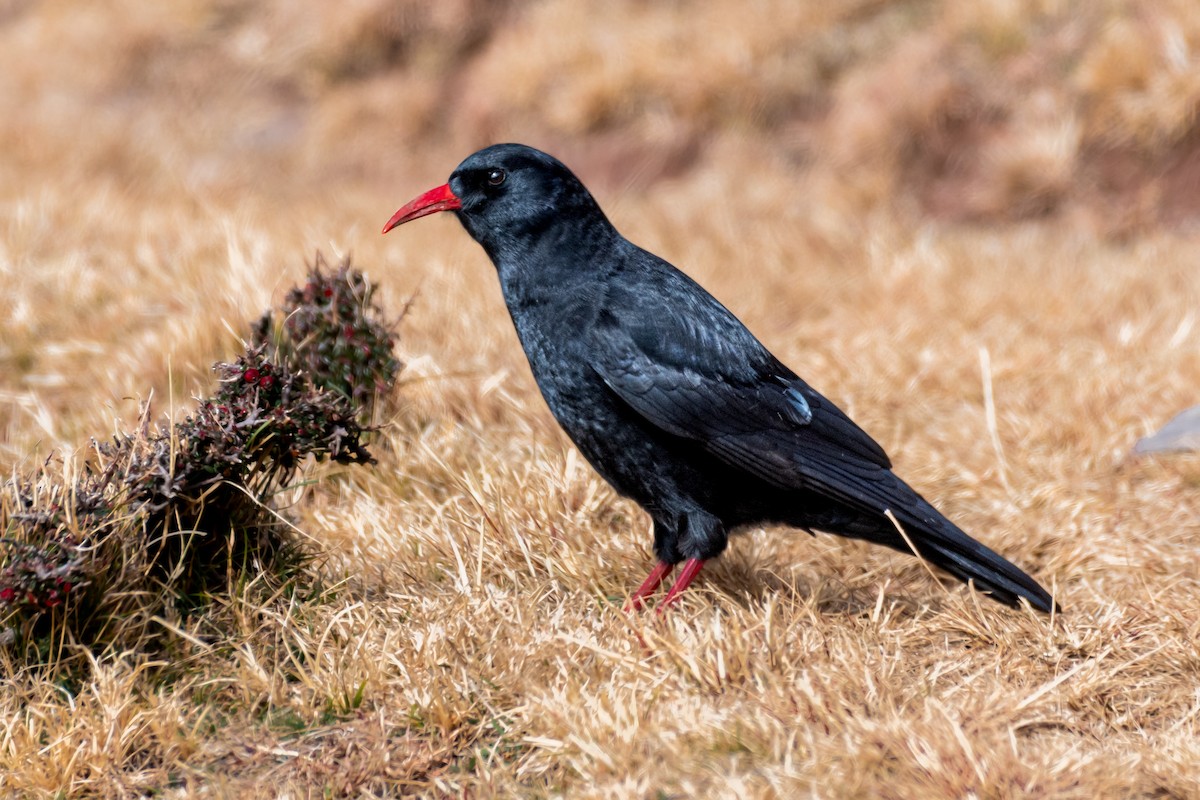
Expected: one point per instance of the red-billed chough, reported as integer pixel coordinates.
(671, 398)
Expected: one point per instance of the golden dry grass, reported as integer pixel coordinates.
(167, 171)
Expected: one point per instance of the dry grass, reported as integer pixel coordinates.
(462, 634)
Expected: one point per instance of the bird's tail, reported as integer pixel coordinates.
(910, 523)
(941, 542)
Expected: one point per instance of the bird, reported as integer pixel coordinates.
(672, 399)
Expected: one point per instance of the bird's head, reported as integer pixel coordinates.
(505, 194)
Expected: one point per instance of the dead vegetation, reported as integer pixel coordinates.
(159, 519)
(975, 230)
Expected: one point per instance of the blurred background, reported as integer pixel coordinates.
(162, 165)
(986, 111)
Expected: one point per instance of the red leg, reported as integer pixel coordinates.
(691, 568)
(661, 570)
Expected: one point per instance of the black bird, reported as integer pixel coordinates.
(671, 398)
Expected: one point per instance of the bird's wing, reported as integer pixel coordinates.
(716, 384)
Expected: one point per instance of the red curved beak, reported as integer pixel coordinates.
(433, 201)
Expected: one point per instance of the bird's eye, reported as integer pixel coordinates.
(495, 176)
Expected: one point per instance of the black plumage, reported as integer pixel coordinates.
(671, 398)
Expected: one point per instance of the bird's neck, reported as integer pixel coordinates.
(537, 267)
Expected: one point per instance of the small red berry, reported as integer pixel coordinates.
(328, 292)
(250, 375)
(266, 381)
(7, 594)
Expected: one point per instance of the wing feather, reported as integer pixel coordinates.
(760, 418)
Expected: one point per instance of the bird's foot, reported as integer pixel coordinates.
(661, 570)
(691, 568)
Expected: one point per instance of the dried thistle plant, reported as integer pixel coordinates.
(332, 330)
(174, 512)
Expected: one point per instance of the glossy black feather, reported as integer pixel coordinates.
(673, 400)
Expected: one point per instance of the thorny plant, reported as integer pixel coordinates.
(175, 511)
(332, 330)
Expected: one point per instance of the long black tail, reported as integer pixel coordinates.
(860, 488)
(868, 492)
(941, 542)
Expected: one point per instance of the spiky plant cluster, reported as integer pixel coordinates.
(173, 512)
(332, 329)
